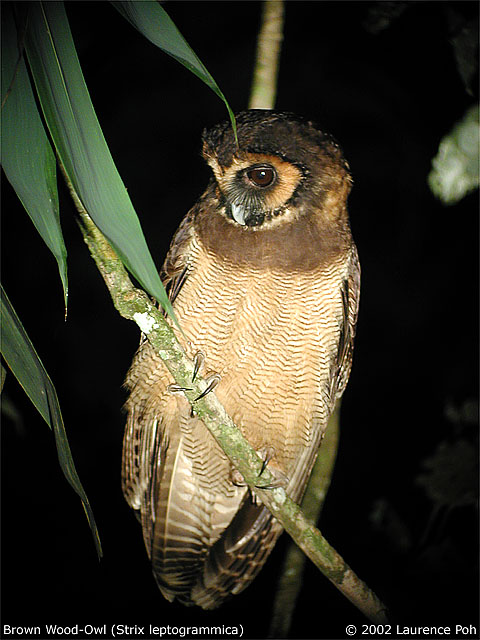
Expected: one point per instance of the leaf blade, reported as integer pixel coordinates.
(151, 19)
(24, 362)
(26, 155)
(80, 143)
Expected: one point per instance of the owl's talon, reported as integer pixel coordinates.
(198, 361)
(212, 382)
(266, 453)
(176, 388)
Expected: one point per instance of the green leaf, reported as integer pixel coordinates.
(26, 155)
(151, 19)
(21, 357)
(80, 144)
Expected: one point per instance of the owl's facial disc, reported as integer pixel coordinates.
(256, 187)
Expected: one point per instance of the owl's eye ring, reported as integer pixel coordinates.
(261, 176)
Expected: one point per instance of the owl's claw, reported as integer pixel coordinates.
(176, 388)
(267, 453)
(198, 361)
(212, 382)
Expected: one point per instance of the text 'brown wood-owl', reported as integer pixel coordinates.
(264, 278)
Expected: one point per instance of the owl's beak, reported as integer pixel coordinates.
(238, 213)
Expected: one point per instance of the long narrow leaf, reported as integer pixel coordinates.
(151, 19)
(21, 357)
(26, 155)
(80, 144)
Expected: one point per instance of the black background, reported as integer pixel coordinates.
(388, 97)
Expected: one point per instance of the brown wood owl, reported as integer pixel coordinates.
(264, 278)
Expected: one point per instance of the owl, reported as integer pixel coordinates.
(264, 277)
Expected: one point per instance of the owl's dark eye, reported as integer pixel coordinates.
(261, 176)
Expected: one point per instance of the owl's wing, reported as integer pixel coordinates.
(238, 556)
(350, 297)
(176, 266)
(145, 441)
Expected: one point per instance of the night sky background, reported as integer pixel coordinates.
(388, 95)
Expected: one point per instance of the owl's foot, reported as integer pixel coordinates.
(266, 453)
(236, 478)
(212, 380)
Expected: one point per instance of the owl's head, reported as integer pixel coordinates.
(281, 167)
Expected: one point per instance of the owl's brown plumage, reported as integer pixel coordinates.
(264, 279)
